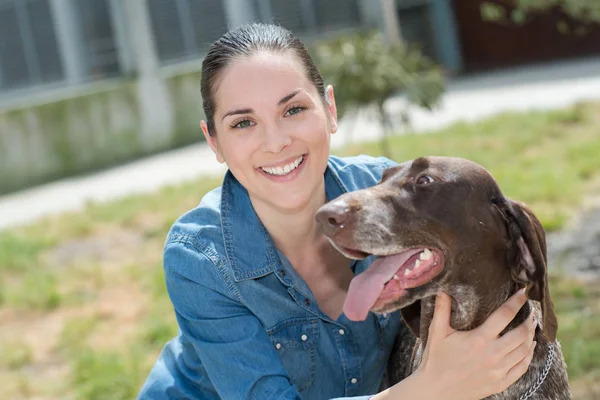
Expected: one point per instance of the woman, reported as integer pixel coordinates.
(258, 290)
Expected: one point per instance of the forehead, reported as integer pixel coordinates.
(265, 76)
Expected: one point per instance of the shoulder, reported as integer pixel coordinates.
(194, 247)
(359, 172)
(202, 223)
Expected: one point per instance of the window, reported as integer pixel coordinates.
(185, 28)
(28, 50)
(99, 48)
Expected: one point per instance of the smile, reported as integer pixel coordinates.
(286, 169)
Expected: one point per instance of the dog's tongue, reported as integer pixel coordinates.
(366, 287)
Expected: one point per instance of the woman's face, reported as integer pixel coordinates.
(272, 129)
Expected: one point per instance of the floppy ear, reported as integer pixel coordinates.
(411, 315)
(527, 260)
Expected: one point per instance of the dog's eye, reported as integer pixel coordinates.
(424, 180)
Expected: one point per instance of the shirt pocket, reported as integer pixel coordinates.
(296, 342)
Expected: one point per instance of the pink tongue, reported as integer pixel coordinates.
(366, 287)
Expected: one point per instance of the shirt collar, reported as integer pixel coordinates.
(249, 248)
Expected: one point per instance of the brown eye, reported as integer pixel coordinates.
(424, 180)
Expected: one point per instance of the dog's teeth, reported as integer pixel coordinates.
(426, 254)
(396, 277)
(406, 272)
(417, 264)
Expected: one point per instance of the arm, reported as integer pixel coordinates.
(233, 346)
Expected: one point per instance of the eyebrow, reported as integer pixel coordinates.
(283, 100)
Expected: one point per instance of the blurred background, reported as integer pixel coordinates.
(100, 151)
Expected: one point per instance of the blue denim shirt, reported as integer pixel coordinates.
(250, 327)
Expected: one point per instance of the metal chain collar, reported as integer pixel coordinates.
(543, 375)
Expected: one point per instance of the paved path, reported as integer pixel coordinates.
(468, 98)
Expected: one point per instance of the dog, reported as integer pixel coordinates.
(442, 223)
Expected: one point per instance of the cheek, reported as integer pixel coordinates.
(314, 129)
(237, 151)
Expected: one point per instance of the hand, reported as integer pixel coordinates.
(478, 363)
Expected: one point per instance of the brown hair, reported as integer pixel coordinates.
(245, 41)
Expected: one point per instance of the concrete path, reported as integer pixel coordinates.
(469, 98)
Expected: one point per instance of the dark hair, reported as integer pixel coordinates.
(245, 41)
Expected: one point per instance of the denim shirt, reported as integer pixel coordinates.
(249, 326)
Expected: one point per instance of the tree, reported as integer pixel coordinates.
(585, 12)
(366, 70)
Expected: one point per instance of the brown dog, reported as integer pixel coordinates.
(441, 223)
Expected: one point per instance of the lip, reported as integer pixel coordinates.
(285, 178)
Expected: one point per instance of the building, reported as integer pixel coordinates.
(85, 84)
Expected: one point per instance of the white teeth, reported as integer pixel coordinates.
(285, 170)
(406, 272)
(396, 278)
(417, 264)
(426, 254)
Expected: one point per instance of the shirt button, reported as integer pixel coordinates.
(353, 380)
(307, 302)
(282, 272)
(341, 331)
(304, 338)
(278, 346)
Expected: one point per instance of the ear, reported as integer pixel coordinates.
(212, 142)
(330, 98)
(528, 261)
(412, 317)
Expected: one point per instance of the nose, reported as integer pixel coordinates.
(275, 138)
(332, 217)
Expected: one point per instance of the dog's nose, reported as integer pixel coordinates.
(332, 216)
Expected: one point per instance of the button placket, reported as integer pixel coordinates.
(347, 352)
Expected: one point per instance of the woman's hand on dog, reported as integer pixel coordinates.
(478, 363)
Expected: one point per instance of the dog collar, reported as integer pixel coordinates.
(542, 376)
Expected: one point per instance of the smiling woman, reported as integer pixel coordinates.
(258, 289)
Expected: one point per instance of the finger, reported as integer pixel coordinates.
(517, 355)
(522, 334)
(501, 317)
(440, 324)
(520, 368)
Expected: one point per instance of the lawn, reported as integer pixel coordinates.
(83, 307)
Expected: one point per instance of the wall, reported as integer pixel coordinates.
(92, 128)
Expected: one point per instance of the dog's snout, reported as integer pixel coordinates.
(332, 216)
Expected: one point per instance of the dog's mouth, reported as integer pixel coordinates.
(388, 278)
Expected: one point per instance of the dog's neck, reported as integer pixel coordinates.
(470, 308)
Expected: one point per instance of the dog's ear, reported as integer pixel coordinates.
(527, 259)
(411, 315)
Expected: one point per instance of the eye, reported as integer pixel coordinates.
(424, 180)
(245, 123)
(295, 110)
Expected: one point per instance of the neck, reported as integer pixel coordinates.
(293, 230)
(470, 309)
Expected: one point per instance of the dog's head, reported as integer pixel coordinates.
(436, 223)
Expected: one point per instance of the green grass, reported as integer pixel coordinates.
(110, 302)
